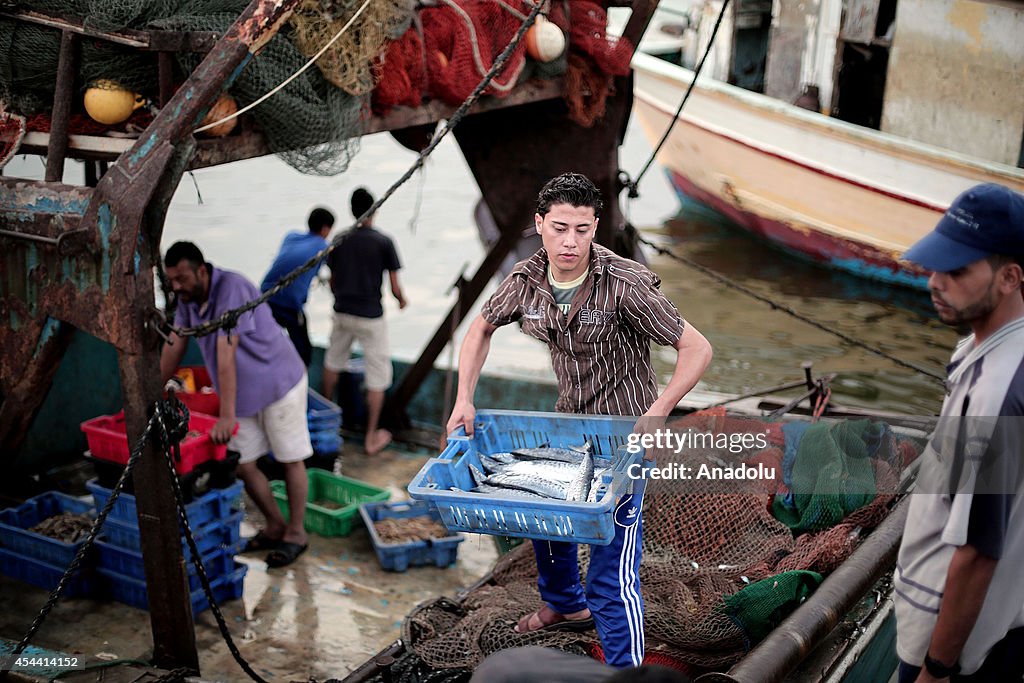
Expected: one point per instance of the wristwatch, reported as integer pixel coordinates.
(938, 669)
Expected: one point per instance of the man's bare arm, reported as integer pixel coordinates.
(967, 581)
(227, 383)
(475, 348)
(692, 359)
(396, 288)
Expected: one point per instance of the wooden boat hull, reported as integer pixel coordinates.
(852, 198)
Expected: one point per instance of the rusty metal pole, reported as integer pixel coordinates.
(170, 612)
(67, 70)
(165, 76)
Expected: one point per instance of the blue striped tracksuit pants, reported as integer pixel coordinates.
(613, 583)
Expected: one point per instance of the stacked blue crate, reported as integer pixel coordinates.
(324, 419)
(39, 560)
(216, 529)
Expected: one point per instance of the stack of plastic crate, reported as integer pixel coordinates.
(198, 457)
(215, 522)
(324, 419)
(41, 560)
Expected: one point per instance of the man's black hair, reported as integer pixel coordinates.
(574, 189)
(320, 218)
(361, 201)
(183, 251)
(997, 261)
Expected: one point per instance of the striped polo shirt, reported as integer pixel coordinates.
(600, 350)
(966, 494)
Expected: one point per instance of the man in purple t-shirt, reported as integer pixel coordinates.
(262, 385)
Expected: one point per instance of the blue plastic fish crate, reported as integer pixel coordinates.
(128, 563)
(499, 431)
(15, 523)
(398, 557)
(321, 414)
(216, 504)
(212, 535)
(45, 575)
(325, 442)
(133, 591)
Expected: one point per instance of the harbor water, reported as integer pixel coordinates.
(239, 213)
(246, 208)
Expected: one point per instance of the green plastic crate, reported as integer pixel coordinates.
(331, 488)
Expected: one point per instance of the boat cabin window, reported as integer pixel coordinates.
(863, 61)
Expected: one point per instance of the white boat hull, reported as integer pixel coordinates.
(851, 197)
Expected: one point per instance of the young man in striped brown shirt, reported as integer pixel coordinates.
(598, 314)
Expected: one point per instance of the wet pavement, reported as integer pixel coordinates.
(322, 616)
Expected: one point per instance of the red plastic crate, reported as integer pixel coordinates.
(199, 401)
(107, 441)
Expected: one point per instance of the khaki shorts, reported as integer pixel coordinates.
(281, 427)
(372, 335)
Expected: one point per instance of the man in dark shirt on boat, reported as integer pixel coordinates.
(297, 248)
(959, 597)
(598, 313)
(358, 265)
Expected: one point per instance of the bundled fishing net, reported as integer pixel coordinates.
(350, 63)
(314, 122)
(719, 569)
(463, 39)
(311, 124)
(403, 74)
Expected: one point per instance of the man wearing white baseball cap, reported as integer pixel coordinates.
(959, 596)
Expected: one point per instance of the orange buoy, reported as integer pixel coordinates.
(224, 106)
(109, 103)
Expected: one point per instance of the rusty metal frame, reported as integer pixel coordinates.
(94, 270)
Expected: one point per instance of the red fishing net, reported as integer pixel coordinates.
(403, 75)
(462, 41)
(12, 130)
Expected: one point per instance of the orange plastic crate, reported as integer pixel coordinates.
(107, 441)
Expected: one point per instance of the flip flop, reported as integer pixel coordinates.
(554, 622)
(260, 542)
(285, 554)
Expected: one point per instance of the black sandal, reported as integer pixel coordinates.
(261, 542)
(285, 554)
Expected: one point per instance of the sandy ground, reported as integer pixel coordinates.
(321, 617)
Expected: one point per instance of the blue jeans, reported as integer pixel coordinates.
(613, 583)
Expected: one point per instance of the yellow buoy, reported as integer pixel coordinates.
(544, 41)
(223, 107)
(109, 103)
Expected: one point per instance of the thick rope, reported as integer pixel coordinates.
(789, 311)
(230, 318)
